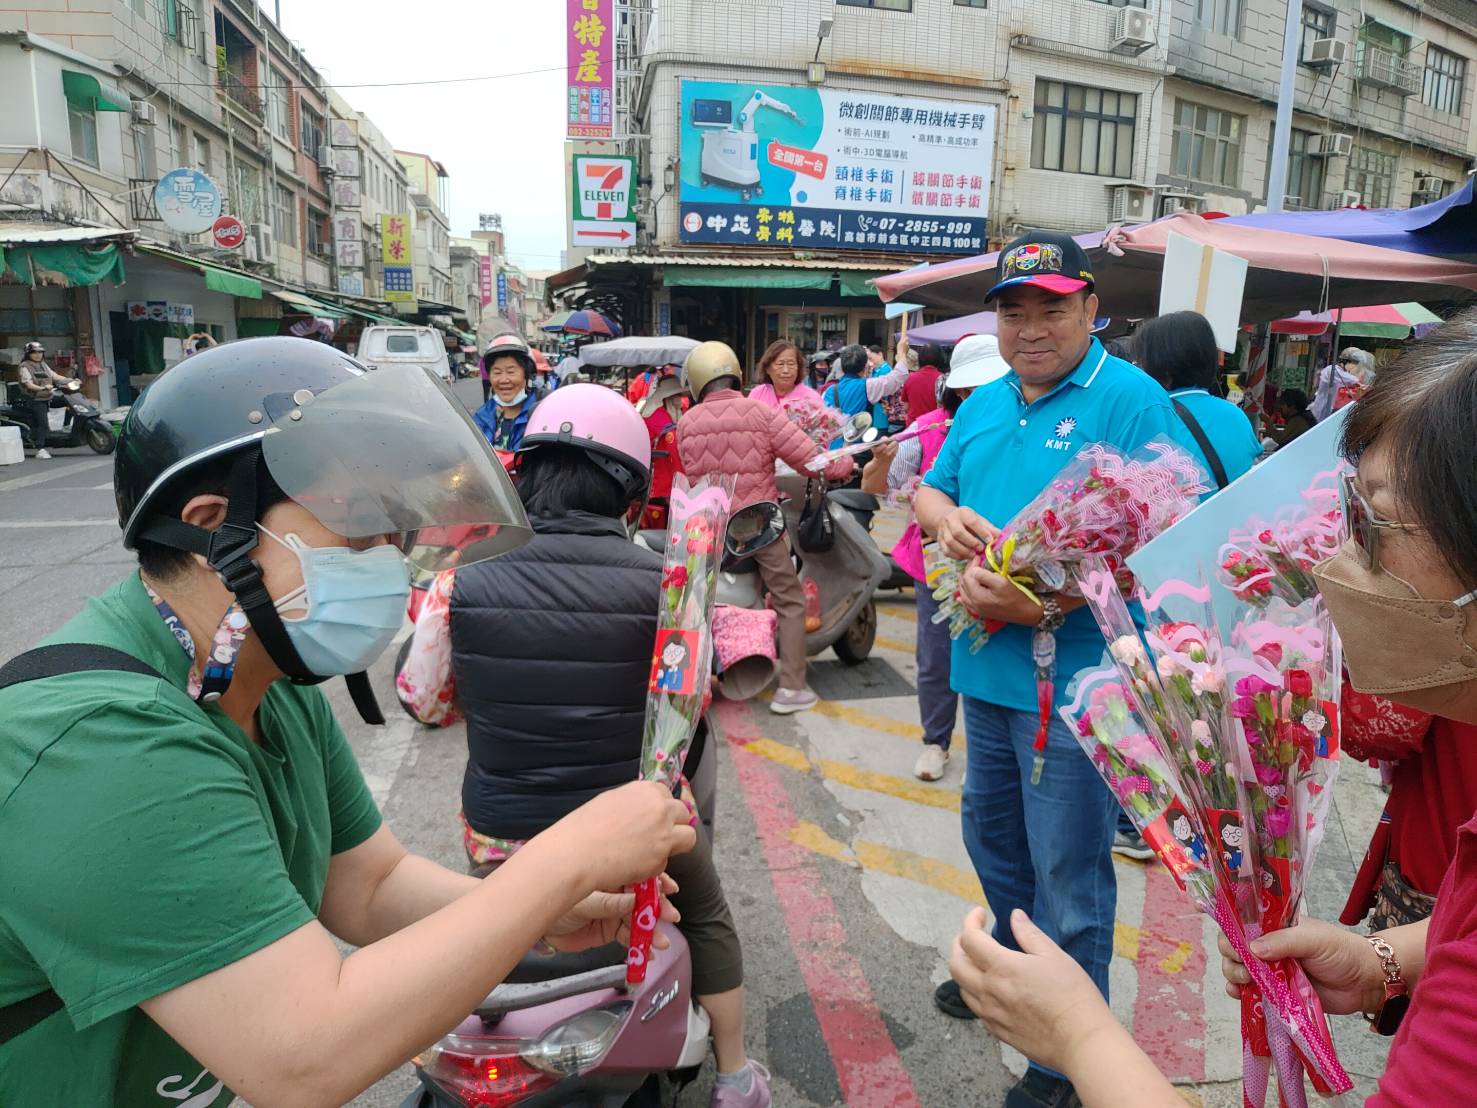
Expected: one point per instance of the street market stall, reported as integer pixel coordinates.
(1287, 272)
(638, 350)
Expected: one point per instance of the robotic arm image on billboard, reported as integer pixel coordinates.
(731, 153)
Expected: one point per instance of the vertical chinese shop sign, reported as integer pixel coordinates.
(591, 62)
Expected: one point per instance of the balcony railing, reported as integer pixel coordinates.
(239, 91)
(1381, 68)
(141, 208)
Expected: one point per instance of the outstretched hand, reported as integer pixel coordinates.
(1036, 999)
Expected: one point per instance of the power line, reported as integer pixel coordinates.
(379, 84)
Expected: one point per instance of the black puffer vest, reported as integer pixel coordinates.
(551, 647)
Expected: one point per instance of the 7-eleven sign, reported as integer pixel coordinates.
(604, 194)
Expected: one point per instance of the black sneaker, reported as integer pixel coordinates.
(1130, 844)
(1041, 1090)
(950, 1001)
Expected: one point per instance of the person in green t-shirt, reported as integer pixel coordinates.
(181, 848)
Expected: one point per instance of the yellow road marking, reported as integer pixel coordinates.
(947, 878)
(895, 644)
(905, 612)
(847, 714)
(902, 788)
(1175, 963)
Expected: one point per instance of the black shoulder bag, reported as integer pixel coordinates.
(816, 533)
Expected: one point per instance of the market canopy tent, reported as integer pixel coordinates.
(1374, 321)
(1288, 272)
(638, 350)
(1446, 228)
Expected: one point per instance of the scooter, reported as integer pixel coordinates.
(83, 423)
(569, 1030)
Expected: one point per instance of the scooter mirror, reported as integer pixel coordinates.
(870, 435)
(855, 427)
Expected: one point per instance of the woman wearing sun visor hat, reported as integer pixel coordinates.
(269, 487)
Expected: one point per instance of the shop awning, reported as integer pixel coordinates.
(742, 277)
(72, 257)
(856, 284)
(311, 305)
(85, 91)
(229, 281)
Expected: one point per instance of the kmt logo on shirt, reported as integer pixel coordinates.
(1063, 437)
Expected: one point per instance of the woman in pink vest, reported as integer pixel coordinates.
(894, 465)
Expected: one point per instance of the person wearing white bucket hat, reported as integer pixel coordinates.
(976, 362)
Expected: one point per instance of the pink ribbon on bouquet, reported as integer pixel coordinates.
(1296, 1033)
(826, 457)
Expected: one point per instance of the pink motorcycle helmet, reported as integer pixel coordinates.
(601, 423)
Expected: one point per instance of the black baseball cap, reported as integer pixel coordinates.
(1047, 259)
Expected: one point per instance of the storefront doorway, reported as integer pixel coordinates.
(813, 329)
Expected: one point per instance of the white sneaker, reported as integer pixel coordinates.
(43, 455)
(789, 701)
(930, 765)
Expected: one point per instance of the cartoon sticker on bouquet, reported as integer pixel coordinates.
(672, 665)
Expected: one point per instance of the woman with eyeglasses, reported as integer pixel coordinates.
(1403, 594)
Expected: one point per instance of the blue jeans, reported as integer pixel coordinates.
(938, 704)
(1045, 848)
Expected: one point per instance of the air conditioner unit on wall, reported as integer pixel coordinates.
(1430, 185)
(143, 113)
(1173, 202)
(266, 244)
(325, 157)
(1132, 203)
(1131, 31)
(1350, 199)
(1331, 146)
(1326, 51)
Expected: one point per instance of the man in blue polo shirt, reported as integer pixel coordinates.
(1039, 842)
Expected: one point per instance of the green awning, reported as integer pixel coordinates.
(854, 282)
(231, 283)
(746, 277)
(79, 264)
(85, 91)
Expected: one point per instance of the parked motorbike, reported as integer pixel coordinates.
(82, 424)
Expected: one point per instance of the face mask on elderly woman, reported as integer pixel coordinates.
(1398, 644)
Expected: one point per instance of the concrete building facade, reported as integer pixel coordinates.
(427, 186)
(1105, 111)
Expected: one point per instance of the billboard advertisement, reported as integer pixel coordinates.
(779, 165)
(591, 62)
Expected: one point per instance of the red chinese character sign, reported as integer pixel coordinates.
(228, 232)
(591, 60)
(798, 167)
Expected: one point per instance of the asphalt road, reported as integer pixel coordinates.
(847, 877)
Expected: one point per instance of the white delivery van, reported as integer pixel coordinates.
(408, 345)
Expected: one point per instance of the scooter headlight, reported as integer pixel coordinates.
(577, 1044)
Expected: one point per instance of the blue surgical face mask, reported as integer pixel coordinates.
(515, 401)
(355, 603)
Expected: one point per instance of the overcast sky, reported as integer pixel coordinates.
(500, 139)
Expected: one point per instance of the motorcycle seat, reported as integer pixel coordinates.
(535, 968)
(855, 500)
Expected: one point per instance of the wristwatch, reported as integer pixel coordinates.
(1051, 614)
(1386, 1019)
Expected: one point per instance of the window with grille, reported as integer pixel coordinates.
(890, 5)
(1125, 3)
(1317, 23)
(317, 231)
(315, 134)
(83, 124)
(1445, 84)
(1371, 174)
(1223, 16)
(279, 105)
(971, 3)
(1207, 144)
(1304, 172)
(284, 217)
(1083, 130)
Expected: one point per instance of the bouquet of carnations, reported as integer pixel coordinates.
(1102, 505)
(861, 446)
(1272, 558)
(1244, 731)
(821, 423)
(681, 661)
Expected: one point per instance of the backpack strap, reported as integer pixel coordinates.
(34, 665)
(1217, 468)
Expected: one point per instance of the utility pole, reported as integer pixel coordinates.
(1282, 132)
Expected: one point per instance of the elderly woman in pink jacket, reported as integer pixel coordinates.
(727, 432)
